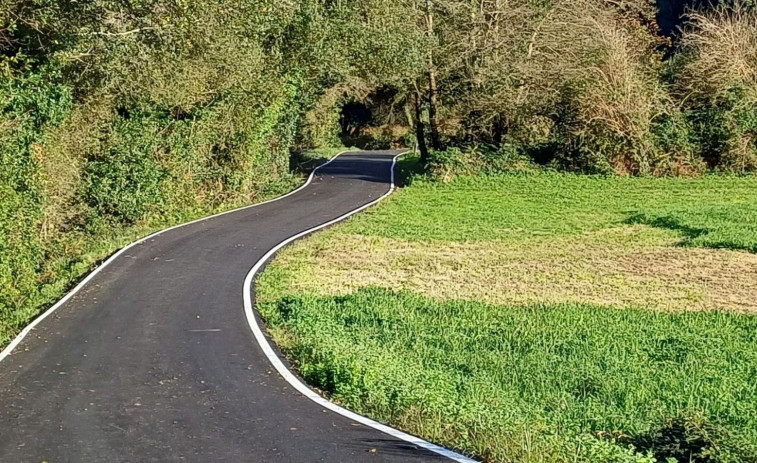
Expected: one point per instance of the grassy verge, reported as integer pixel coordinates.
(422, 313)
(73, 255)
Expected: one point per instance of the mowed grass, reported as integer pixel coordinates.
(531, 381)
(714, 211)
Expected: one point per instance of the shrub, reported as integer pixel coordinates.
(716, 75)
(29, 105)
(114, 114)
(125, 181)
(610, 99)
(480, 159)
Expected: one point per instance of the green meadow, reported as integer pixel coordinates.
(556, 377)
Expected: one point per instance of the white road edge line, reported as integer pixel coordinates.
(299, 385)
(28, 329)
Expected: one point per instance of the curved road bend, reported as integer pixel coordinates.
(153, 361)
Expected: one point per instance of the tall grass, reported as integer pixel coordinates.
(610, 97)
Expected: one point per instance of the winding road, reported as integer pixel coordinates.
(153, 359)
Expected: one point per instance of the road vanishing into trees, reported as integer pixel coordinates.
(154, 359)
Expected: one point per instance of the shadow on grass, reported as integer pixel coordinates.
(683, 440)
(302, 163)
(691, 234)
(408, 167)
(669, 223)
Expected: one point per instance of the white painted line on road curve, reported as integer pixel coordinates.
(262, 341)
(299, 385)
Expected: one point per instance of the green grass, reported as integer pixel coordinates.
(529, 383)
(715, 211)
(559, 382)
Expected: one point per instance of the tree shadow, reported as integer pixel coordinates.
(409, 167)
(679, 439)
(669, 223)
(301, 163)
(689, 233)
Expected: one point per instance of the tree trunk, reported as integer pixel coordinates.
(432, 124)
(420, 131)
(499, 129)
(432, 92)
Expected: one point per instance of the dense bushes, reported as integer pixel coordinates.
(718, 77)
(593, 86)
(28, 106)
(118, 116)
(110, 119)
(130, 113)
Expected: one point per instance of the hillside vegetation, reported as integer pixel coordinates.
(117, 117)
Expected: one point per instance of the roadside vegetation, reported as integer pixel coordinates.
(117, 116)
(121, 117)
(537, 316)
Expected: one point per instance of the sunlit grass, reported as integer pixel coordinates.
(550, 374)
(529, 383)
(717, 211)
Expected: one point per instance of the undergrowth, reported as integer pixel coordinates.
(64, 259)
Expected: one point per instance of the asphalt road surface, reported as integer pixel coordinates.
(154, 361)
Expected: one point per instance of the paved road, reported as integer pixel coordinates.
(153, 361)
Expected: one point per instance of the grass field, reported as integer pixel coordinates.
(538, 317)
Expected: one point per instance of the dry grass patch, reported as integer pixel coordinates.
(630, 266)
